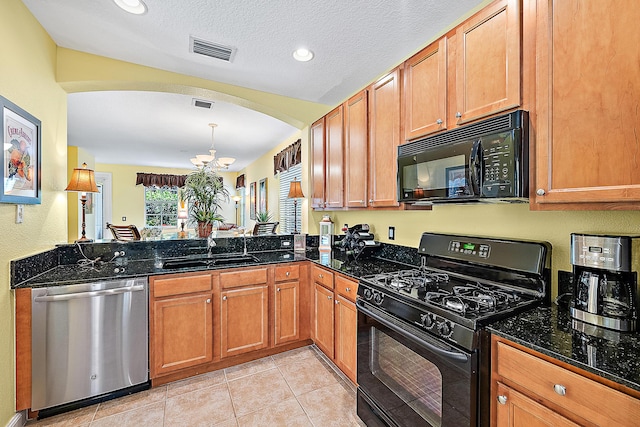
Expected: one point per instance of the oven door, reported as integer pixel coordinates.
(408, 378)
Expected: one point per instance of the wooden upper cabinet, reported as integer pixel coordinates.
(356, 138)
(384, 138)
(587, 96)
(425, 91)
(334, 146)
(488, 62)
(317, 164)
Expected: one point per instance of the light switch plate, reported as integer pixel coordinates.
(19, 214)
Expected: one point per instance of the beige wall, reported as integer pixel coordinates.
(27, 78)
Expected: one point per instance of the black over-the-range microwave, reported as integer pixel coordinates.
(484, 161)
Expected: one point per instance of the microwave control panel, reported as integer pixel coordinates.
(498, 178)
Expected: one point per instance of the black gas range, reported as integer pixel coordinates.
(419, 330)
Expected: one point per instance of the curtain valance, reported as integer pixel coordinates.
(160, 180)
(290, 156)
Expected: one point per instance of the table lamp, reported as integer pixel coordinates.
(295, 192)
(83, 181)
(183, 213)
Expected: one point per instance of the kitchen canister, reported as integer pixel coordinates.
(326, 233)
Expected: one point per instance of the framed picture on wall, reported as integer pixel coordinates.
(252, 200)
(20, 137)
(262, 195)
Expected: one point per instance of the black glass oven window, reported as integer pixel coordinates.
(415, 380)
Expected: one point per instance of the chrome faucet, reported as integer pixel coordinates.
(244, 242)
(210, 243)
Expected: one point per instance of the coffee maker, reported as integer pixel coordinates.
(605, 280)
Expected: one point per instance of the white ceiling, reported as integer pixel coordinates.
(354, 42)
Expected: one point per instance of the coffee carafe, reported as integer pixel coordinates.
(604, 280)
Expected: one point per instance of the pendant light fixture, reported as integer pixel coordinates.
(209, 160)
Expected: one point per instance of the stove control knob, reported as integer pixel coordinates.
(445, 329)
(426, 320)
(377, 298)
(367, 294)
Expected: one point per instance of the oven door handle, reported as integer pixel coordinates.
(453, 355)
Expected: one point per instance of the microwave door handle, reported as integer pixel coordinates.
(475, 166)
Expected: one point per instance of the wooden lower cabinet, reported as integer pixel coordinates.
(182, 333)
(287, 312)
(531, 389)
(323, 319)
(519, 410)
(346, 325)
(244, 320)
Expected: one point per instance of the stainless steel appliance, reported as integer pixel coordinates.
(605, 280)
(485, 161)
(88, 340)
(421, 355)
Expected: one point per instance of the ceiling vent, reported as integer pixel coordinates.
(212, 50)
(201, 103)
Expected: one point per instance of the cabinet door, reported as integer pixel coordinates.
(244, 320)
(335, 158)
(287, 312)
(425, 90)
(182, 333)
(317, 164)
(356, 129)
(513, 409)
(488, 62)
(384, 138)
(323, 319)
(346, 321)
(587, 115)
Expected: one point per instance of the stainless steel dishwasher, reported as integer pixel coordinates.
(88, 340)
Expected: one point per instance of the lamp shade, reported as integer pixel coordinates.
(295, 190)
(82, 180)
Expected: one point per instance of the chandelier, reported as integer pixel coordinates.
(209, 160)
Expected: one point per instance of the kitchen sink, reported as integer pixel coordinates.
(207, 261)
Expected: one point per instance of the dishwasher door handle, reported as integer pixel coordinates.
(90, 294)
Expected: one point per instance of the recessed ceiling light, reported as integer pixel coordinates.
(137, 7)
(303, 55)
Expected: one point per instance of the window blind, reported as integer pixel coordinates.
(286, 213)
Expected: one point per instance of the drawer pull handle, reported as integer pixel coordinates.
(502, 399)
(224, 298)
(560, 389)
(347, 289)
(320, 276)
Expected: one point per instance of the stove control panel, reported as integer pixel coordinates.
(481, 250)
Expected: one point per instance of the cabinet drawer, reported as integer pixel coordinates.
(581, 396)
(166, 286)
(243, 277)
(322, 276)
(347, 288)
(287, 272)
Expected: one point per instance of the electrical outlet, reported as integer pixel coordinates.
(19, 214)
(392, 233)
(124, 218)
(285, 243)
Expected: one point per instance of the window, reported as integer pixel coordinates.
(286, 205)
(161, 207)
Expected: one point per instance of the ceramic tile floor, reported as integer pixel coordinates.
(296, 388)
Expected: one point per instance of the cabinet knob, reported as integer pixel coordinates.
(288, 274)
(328, 296)
(208, 301)
(278, 290)
(337, 302)
(320, 276)
(224, 298)
(370, 201)
(459, 115)
(439, 121)
(347, 289)
(560, 389)
(502, 399)
(540, 192)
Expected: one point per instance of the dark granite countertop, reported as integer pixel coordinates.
(548, 330)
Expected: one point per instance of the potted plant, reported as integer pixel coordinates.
(263, 216)
(204, 191)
